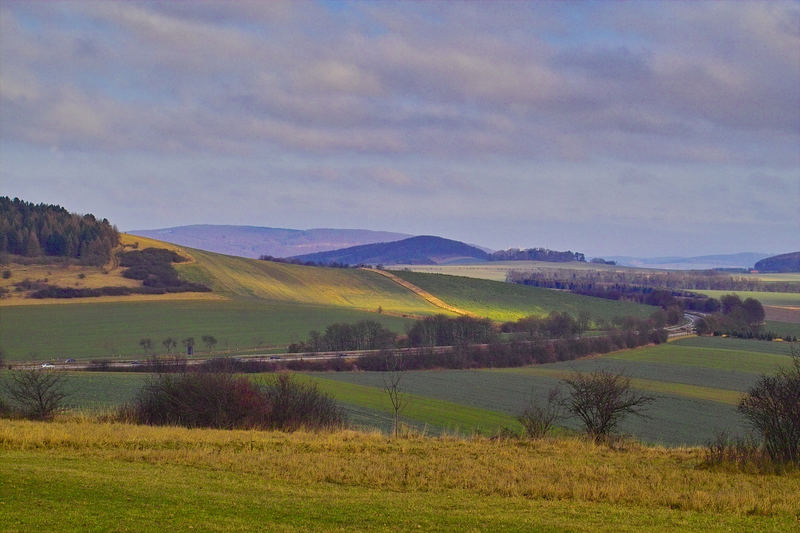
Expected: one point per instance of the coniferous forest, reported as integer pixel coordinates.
(36, 230)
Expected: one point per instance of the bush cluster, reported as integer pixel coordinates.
(226, 401)
(153, 266)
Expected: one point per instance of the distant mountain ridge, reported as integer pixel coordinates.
(420, 250)
(255, 241)
(780, 263)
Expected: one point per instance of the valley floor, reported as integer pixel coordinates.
(75, 475)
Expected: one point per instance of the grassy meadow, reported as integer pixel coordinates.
(79, 475)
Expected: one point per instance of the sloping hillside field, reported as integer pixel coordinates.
(253, 304)
(506, 301)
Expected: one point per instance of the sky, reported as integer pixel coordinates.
(610, 128)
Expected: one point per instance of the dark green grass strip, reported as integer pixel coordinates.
(447, 415)
(649, 385)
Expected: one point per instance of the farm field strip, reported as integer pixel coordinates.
(113, 329)
(712, 358)
(648, 385)
(445, 415)
(672, 420)
(778, 299)
(736, 344)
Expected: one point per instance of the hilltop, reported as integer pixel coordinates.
(780, 263)
(424, 250)
(255, 241)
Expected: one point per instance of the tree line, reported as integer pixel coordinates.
(537, 254)
(37, 230)
(609, 282)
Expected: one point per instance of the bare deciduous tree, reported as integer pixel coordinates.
(601, 399)
(392, 384)
(169, 344)
(146, 344)
(210, 341)
(39, 394)
(772, 406)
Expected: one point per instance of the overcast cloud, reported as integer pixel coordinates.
(611, 128)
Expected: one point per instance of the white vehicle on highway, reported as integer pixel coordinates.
(48, 365)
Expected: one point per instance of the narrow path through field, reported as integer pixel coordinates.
(419, 291)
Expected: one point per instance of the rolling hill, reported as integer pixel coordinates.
(255, 305)
(255, 241)
(424, 249)
(780, 263)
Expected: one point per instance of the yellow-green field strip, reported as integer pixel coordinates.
(449, 416)
(715, 358)
(658, 387)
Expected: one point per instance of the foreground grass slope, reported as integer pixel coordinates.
(506, 301)
(77, 475)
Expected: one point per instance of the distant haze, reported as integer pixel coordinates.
(740, 260)
(251, 241)
(643, 129)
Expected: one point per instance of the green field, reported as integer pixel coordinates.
(86, 476)
(697, 383)
(783, 328)
(766, 298)
(506, 301)
(92, 330)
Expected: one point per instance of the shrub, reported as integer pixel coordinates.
(37, 394)
(296, 404)
(772, 406)
(227, 401)
(601, 400)
(735, 451)
(538, 420)
(199, 400)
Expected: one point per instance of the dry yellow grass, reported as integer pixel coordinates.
(90, 277)
(564, 469)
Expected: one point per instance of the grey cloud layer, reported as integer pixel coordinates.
(524, 112)
(450, 83)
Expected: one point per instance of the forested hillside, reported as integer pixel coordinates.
(780, 263)
(35, 230)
